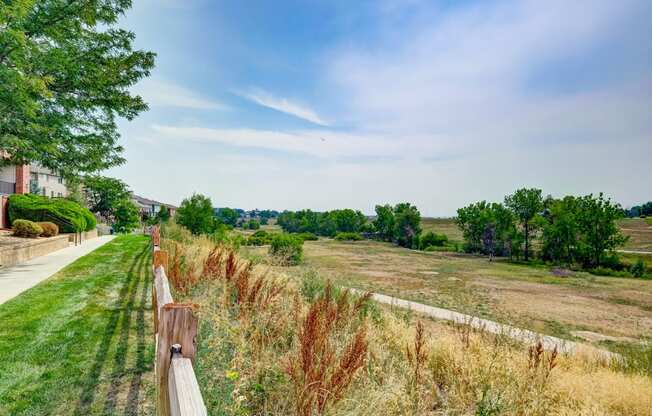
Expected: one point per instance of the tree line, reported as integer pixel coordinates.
(570, 230)
(643, 210)
(399, 224)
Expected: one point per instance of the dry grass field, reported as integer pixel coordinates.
(444, 226)
(573, 305)
(639, 231)
(282, 341)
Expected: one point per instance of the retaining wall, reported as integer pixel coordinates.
(22, 251)
(86, 235)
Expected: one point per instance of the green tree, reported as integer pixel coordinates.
(104, 194)
(66, 69)
(227, 216)
(596, 218)
(559, 239)
(348, 220)
(487, 228)
(384, 222)
(526, 204)
(127, 216)
(163, 215)
(196, 214)
(407, 226)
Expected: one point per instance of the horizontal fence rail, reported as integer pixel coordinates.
(175, 327)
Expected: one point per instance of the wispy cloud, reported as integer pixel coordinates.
(161, 93)
(283, 105)
(324, 143)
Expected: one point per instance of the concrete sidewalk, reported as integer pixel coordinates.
(18, 278)
(522, 335)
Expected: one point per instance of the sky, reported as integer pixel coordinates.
(348, 104)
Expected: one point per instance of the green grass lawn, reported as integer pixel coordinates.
(82, 341)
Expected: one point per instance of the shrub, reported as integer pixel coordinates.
(287, 248)
(50, 229)
(252, 225)
(26, 228)
(91, 222)
(260, 233)
(431, 239)
(308, 236)
(69, 216)
(638, 268)
(348, 237)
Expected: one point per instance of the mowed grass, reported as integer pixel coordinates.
(579, 306)
(639, 231)
(81, 342)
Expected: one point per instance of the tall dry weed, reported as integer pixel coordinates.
(320, 378)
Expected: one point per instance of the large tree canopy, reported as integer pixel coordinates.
(65, 73)
(104, 194)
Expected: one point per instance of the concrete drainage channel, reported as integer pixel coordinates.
(518, 334)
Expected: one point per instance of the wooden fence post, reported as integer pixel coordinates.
(177, 325)
(161, 259)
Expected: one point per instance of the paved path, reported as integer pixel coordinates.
(18, 278)
(635, 251)
(523, 335)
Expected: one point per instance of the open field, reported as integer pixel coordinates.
(577, 306)
(80, 342)
(444, 226)
(281, 342)
(639, 231)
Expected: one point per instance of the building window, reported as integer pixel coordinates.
(59, 194)
(43, 190)
(51, 194)
(60, 179)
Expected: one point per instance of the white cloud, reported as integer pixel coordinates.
(467, 74)
(283, 105)
(447, 82)
(160, 93)
(326, 144)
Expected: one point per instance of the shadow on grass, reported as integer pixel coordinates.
(121, 314)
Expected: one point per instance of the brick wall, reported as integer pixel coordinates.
(22, 179)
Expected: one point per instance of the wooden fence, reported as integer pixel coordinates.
(175, 326)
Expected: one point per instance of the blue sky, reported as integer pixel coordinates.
(331, 104)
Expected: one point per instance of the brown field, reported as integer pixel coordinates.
(578, 306)
(444, 226)
(640, 233)
(257, 326)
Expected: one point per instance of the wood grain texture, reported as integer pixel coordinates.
(185, 396)
(177, 325)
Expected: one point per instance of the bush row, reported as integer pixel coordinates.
(30, 229)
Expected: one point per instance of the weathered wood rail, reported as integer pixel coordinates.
(175, 326)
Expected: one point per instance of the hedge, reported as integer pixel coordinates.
(69, 216)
